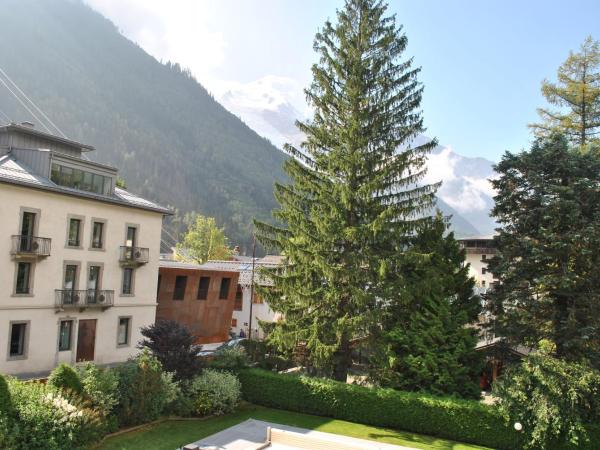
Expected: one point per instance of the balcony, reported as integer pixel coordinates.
(82, 299)
(30, 246)
(133, 256)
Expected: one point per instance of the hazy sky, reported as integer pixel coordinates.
(482, 60)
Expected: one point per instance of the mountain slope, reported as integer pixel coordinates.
(170, 139)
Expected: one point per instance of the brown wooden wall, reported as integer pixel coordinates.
(210, 319)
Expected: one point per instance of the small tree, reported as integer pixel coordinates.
(552, 399)
(173, 345)
(203, 241)
(425, 343)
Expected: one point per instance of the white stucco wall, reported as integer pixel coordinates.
(476, 269)
(48, 275)
(260, 311)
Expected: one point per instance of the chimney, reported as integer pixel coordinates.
(27, 124)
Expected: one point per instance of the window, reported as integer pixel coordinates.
(98, 235)
(179, 291)
(80, 179)
(483, 270)
(130, 239)
(18, 339)
(158, 285)
(482, 283)
(233, 323)
(239, 295)
(64, 335)
(127, 287)
(483, 256)
(74, 233)
(224, 291)
(27, 231)
(23, 285)
(203, 288)
(256, 298)
(123, 331)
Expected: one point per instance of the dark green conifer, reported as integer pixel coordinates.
(353, 202)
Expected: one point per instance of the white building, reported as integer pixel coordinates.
(260, 308)
(79, 256)
(480, 249)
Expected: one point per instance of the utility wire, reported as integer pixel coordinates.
(24, 105)
(32, 102)
(5, 115)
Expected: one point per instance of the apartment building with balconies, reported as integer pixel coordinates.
(78, 256)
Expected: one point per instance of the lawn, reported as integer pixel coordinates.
(172, 434)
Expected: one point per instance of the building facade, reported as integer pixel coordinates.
(79, 254)
(199, 297)
(244, 298)
(480, 249)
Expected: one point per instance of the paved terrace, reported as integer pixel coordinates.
(252, 435)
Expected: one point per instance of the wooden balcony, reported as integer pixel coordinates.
(83, 299)
(133, 256)
(24, 246)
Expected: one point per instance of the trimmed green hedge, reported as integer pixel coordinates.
(460, 420)
(467, 421)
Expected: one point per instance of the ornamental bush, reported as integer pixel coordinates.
(215, 393)
(552, 399)
(5, 401)
(64, 377)
(143, 390)
(49, 419)
(230, 358)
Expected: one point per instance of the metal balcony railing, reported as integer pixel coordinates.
(23, 245)
(86, 298)
(133, 255)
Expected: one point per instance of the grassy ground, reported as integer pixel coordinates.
(172, 434)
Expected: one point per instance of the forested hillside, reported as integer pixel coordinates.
(170, 139)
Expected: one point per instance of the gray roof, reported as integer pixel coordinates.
(35, 132)
(16, 172)
(172, 264)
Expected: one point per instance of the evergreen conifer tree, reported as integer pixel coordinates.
(353, 202)
(425, 343)
(548, 205)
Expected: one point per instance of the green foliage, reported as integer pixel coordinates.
(66, 378)
(100, 386)
(215, 393)
(143, 390)
(230, 359)
(548, 205)
(552, 399)
(462, 420)
(5, 401)
(172, 141)
(425, 344)
(352, 203)
(49, 420)
(203, 241)
(577, 91)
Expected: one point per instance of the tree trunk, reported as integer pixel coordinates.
(342, 359)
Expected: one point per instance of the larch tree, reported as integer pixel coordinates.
(577, 93)
(548, 206)
(354, 199)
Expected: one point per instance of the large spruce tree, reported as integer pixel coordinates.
(353, 202)
(548, 261)
(424, 342)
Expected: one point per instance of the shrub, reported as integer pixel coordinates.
(215, 393)
(64, 377)
(47, 418)
(100, 387)
(552, 399)
(6, 408)
(143, 390)
(173, 345)
(229, 358)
